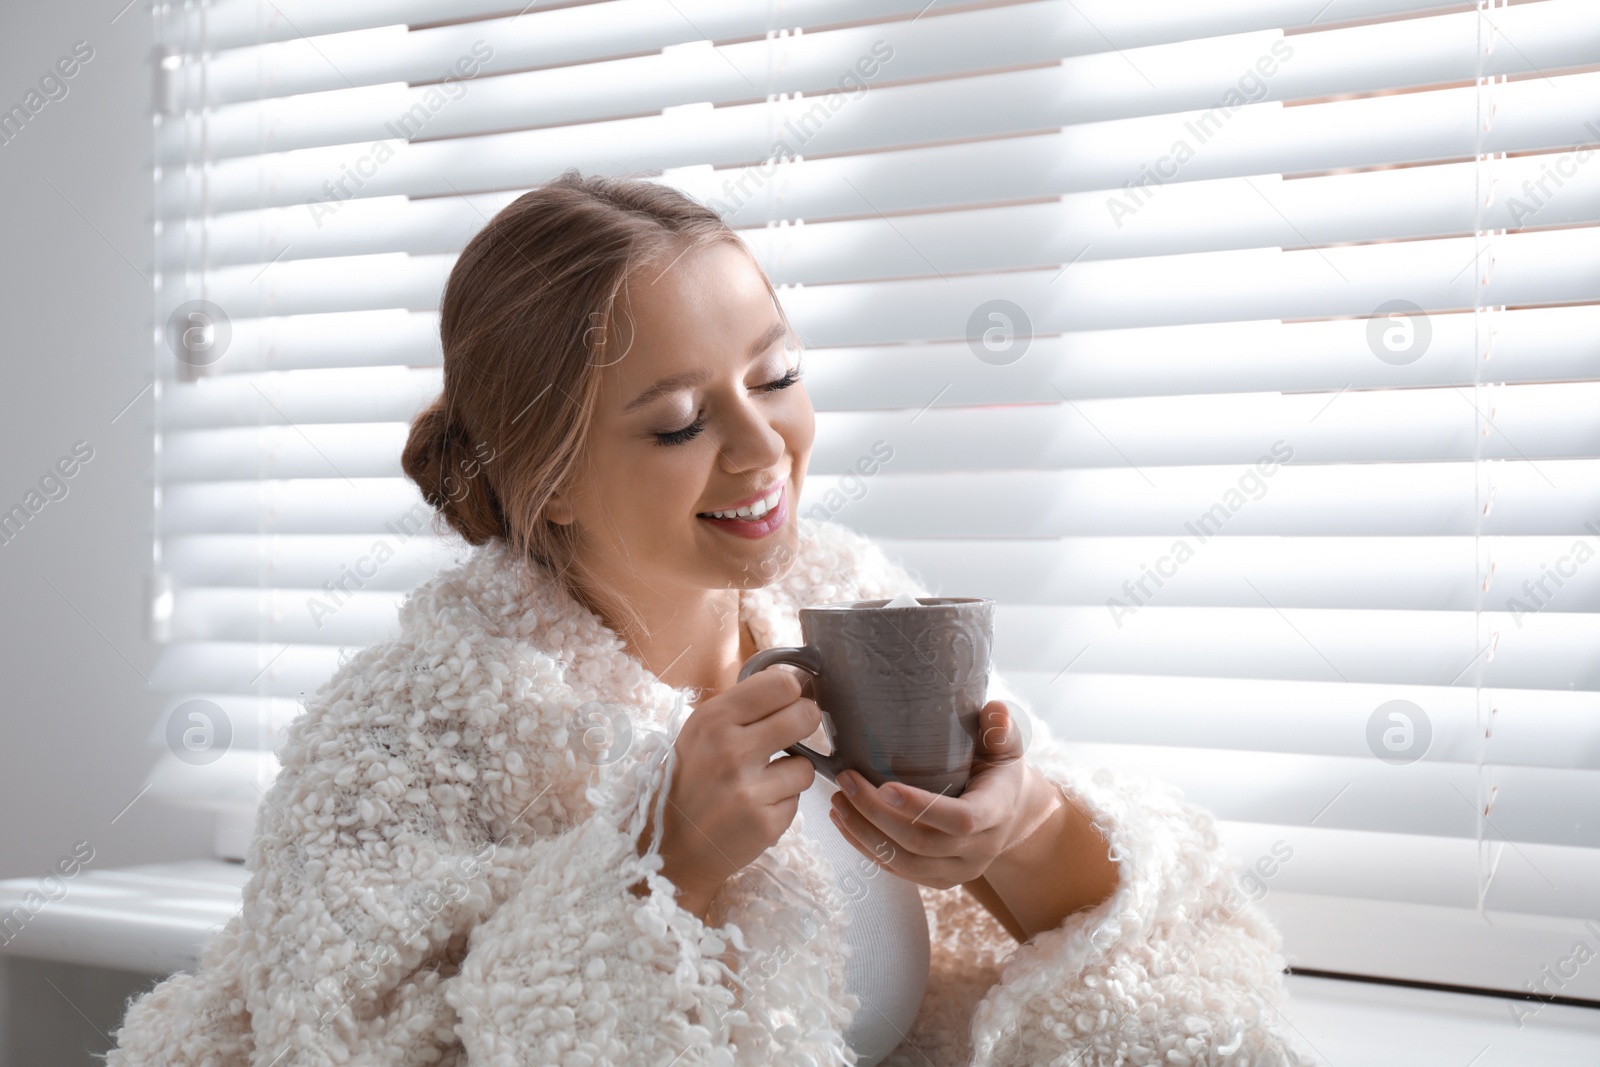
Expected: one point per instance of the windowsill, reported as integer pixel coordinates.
(1359, 1023)
(154, 919)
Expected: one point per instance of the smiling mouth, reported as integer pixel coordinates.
(749, 512)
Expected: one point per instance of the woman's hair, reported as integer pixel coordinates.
(523, 322)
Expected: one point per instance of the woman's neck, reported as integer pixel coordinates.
(701, 647)
(698, 643)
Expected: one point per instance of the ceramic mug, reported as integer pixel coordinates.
(900, 688)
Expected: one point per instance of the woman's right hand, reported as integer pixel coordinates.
(730, 800)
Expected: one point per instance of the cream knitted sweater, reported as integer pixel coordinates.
(439, 875)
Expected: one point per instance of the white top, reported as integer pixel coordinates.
(887, 934)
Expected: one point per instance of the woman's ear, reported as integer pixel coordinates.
(557, 510)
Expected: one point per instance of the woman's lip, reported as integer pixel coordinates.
(768, 491)
(755, 529)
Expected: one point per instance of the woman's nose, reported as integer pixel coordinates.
(753, 439)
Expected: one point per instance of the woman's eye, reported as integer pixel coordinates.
(784, 382)
(691, 431)
(678, 437)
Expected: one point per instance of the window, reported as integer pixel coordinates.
(1244, 352)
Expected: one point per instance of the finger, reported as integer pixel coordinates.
(900, 829)
(763, 693)
(882, 852)
(909, 814)
(785, 777)
(999, 738)
(800, 674)
(782, 728)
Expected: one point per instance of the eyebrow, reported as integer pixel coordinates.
(693, 377)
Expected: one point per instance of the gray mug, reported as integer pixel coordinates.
(901, 688)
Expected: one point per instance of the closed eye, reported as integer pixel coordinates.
(691, 431)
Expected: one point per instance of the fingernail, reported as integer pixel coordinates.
(892, 795)
(847, 782)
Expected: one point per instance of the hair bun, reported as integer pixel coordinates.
(440, 458)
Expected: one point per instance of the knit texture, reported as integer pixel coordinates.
(440, 875)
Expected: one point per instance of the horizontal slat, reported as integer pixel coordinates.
(1533, 344)
(1555, 344)
(359, 227)
(1184, 76)
(1559, 266)
(245, 561)
(1225, 213)
(235, 720)
(1441, 573)
(1549, 650)
(1193, 217)
(1081, 161)
(314, 286)
(346, 614)
(236, 780)
(1397, 499)
(1534, 114)
(341, 450)
(1553, 497)
(1530, 422)
(243, 23)
(333, 342)
(1527, 268)
(1530, 879)
(299, 397)
(1525, 727)
(361, 45)
(1541, 805)
(1435, 648)
(246, 668)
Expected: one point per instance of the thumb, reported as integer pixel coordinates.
(1000, 740)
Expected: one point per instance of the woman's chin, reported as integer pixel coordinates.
(755, 564)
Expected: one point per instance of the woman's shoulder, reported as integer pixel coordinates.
(456, 630)
(466, 708)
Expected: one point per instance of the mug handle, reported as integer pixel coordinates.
(808, 660)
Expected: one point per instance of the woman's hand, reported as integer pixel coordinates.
(938, 840)
(728, 804)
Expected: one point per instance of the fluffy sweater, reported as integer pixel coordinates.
(440, 874)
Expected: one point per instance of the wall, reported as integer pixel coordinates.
(76, 352)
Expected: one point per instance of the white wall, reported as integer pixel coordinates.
(75, 350)
(76, 310)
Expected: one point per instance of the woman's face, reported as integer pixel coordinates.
(698, 412)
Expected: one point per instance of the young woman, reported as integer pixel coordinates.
(546, 825)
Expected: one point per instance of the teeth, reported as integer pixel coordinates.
(751, 511)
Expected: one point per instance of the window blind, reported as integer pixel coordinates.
(1244, 352)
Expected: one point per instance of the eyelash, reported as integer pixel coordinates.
(691, 431)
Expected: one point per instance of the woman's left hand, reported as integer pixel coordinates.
(941, 841)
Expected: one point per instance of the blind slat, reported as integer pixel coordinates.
(1226, 213)
(1375, 571)
(1552, 497)
(1542, 267)
(242, 23)
(319, 374)
(1531, 422)
(1533, 114)
(1191, 75)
